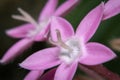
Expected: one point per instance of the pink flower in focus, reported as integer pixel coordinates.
(34, 31)
(72, 48)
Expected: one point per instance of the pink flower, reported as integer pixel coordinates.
(72, 48)
(112, 8)
(34, 31)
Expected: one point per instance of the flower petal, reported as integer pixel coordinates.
(42, 59)
(49, 75)
(90, 23)
(64, 27)
(97, 54)
(66, 7)
(112, 8)
(20, 31)
(42, 35)
(48, 10)
(65, 72)
(34, 75)
(16, 50)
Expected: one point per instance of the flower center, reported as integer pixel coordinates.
(69, 56)
(37, 29)
(26, 17)
(69, 50)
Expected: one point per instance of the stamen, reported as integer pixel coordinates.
(25, 17)
(58, 35)
(60, 42)
(52, 42)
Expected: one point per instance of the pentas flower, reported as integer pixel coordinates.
(34, 31)
(71, 48)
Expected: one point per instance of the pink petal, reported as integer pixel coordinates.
(16, 50)
(66, 7)
(65, 72)
(97, 54)
(48, 10)
(20, 31)
(64, 27)
(34, 75)
(112, 8)
(49, 75)
(42, 59)
(90, 23)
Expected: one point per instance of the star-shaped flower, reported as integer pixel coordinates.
(71, 48)
(34, 31)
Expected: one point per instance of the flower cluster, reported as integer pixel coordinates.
(69, 48)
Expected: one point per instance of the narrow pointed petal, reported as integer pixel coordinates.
(64, 27)
(20, 31)
(48, 10)
(42, 59)
(112, 8)
(16, 50)
(34, 75)
(66, 7)
(90, 23)
(49, 75)
(97, 54)
(65, 72)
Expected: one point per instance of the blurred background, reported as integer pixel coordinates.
(108, 30)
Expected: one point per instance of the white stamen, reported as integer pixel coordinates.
(59, 42)
(24, 17)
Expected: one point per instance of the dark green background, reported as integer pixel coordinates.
(108, 30)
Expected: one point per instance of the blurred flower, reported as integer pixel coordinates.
(71, 48)
(34, 31)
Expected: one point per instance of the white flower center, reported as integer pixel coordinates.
(71, 50)
(68, 56)
(38, 28)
